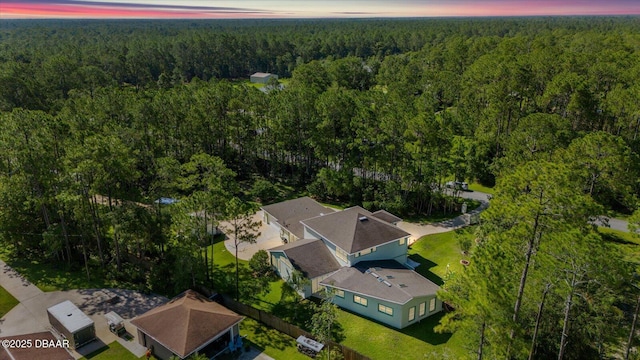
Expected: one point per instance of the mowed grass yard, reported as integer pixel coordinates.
(626, 243)
(113, 351)
(439, 254)
(7, 302)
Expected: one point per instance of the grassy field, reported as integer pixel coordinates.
(628, 245)
(419, 341)
(113, 351)
(272, 342)
(53, 277)
(437, 252)
(477, 187)
(7, 302)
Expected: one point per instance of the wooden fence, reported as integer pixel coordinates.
(284, 327)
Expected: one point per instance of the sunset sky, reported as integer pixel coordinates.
(308, 8)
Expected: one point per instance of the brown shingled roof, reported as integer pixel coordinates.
(33, 352)
(310, 256)
(187, 322)
(289, 213)
(354, 229)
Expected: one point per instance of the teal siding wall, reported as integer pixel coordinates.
(400, 317)
(371, 310)
(415, 303)
(390, 251)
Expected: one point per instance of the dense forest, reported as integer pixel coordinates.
(99, 119)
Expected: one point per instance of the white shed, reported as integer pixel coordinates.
(72, 323)
(262, 78)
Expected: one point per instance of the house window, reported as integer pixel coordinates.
(412, 313)
(359, 300)
(364, 252)
(339, 293)
(385, 309)
(402, 241)
(422, 308)
(432, 305)
(341, 254)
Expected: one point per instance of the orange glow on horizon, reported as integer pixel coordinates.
(29, 11)
(318, 9)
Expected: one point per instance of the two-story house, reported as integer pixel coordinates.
(360, 255)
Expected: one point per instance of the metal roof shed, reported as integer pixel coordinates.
(72, 323)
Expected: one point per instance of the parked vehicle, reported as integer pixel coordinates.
(460, 185)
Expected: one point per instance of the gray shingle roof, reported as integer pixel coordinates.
(354, 229)
(392, 282)
(289, 213)
(386, 216)
(310, 256)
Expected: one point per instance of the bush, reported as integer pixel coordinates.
(464, 243)
(264, 191)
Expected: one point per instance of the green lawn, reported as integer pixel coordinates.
(436, 252)
(54, 277)
(628, 245)
(417, 341)
(7, 302)
(478, 187)
(221, 256)
(272, 342)
(113, 351)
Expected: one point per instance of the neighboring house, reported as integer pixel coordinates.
(287, 215)
(188, 324)
(361, 255)
(43, 346)
(262, 78)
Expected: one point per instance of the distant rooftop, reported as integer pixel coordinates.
(260, 74)
(166, 201)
